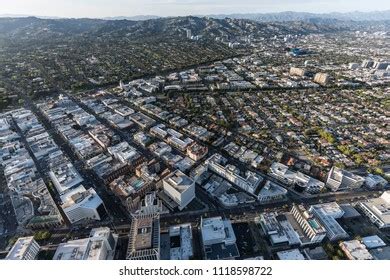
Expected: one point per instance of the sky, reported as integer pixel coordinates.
(112, 8)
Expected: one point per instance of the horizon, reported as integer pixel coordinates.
(174, 8)
(189, 15)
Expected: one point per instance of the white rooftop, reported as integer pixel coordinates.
(19, 249)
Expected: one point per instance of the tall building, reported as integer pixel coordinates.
(378, 210)
(180, 237)
(81, 204)
(100, 245)
(180, 188)
(327, 214)
(189, 33)
(339, 179)
(311, 227)
(218, 238)
(321, 78)
(294, 71)
(25, 248)
(144, 237)
(271, 192)
(249, 183)
(367, 63)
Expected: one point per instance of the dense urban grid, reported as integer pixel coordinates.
(194, 138)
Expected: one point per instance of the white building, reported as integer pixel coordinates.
(278, 229)
(311, 227)
(339, 179)
(293, 254)
(81, 204)
(271, 192)
(327, 214)
(249, 183)
(180, 188)
(219, 240)
(100, 245)
(378, 210)
(303, 181)
(65, 177)
(25, 248)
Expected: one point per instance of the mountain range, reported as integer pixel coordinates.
(263, 17)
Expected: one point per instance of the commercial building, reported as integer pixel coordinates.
(310, 226)
(278, 229)
(144, 237)
(80, 204)
(65, 177)
(100, 245)
(298, 179)
(372, 242)
(378, 210)
(180, 237)
(197, 151)
(375, 181)
(295, 71)
(293, 254)
(218, 238)
(180, 188)
(322, 78)
(355, 250)
(271, 192)
(327, 214)
(25, 248)
(218, 164)
(339, 179)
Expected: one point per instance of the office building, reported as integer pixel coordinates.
(339, 180)
(271, 192)
(327, 214)
(80, 204)
(293, 254)
(378, 210)
(144, 237)
(180, 237)
(310, 226)
(218, 164)
(100, 245)
(355, 250)
(25, 248)
(322, 79)
(180, 188)
(218, 238)
(278, 229)
(375, 181)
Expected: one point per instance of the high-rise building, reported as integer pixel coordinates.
(100, 245)
(311, 227)
(249, 183)
(81, 204)
(189, 33)
(378, 210)
(321, 78)
(180, 188)
(339, 179)
(25, 248)
(295, 71)
(218, 238)
(144, 237)
(327, 214)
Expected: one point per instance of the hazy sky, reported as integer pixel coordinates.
(105, 8)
